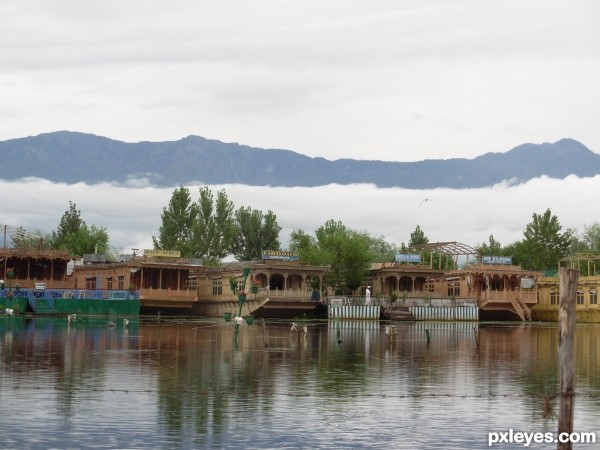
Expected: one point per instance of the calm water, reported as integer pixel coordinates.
(189, 384)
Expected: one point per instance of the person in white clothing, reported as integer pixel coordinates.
(368, 295)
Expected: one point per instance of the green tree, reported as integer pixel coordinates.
(591, 237)
(382, 250)
(347, 252)
(255, 232)
(544, 244)
(491, 248)
(87, 240)
(178, 220)
(579, 245)
(306, 246)
(356, 259)
(74, 236)
(70, 223)
(417, 238)
(214, 227)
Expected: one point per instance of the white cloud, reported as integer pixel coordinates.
(132, 215)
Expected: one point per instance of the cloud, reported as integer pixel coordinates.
(132, 215)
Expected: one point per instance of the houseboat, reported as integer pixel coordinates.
(492, 288)
(277, 284)
(586, 301)
(37, 281)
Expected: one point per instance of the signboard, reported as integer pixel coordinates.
(408, 257)
(277, 254)
(163, 253)
(496, 259)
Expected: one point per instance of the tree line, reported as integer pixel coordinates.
(211, 228)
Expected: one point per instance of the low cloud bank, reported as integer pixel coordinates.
(132, 215)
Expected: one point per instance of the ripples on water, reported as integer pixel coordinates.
(189, 384)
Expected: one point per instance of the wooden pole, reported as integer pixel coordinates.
(566, 344)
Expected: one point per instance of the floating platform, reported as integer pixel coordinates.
(399, 313)
(285, 309)
(62, 302)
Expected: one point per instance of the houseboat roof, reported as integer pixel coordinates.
(151, 262)
(34, 253)
(267, 264)
(493, 269)
(403, 267)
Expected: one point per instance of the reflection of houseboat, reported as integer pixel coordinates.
(586, 301)
(36, 280)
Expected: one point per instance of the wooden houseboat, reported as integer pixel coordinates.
(495, 287)
(501, 291)
(171, 284)
(586, 302)
(37, 281)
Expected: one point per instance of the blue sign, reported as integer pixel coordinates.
(408, 257)
(496, 259)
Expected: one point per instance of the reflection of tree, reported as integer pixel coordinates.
(201, 380)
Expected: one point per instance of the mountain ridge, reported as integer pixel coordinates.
(71, 157)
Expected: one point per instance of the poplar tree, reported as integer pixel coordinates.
(255, 232)
(178, 218)
(214, 227)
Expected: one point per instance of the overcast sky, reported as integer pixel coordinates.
(389, 80)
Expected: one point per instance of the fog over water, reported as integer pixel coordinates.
(132, 214)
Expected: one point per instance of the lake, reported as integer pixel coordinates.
(190, 383)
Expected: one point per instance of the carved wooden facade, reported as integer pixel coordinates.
(27, 267)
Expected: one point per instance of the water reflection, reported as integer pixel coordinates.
(186, 384)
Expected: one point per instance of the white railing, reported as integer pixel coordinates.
(437, 302)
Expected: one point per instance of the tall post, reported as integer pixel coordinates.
(566, 345)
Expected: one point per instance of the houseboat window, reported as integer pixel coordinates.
(109, 284)
(90, 283)
(191, 283)
(121, 282)
(554, 298)
(217, 287)
(579, 299)
(430, 286)
(454, 290)
(496, 285)
(593, 297)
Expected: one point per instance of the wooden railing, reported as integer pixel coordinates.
(25, 283)
(279, 294)
(527, 296)
(437, 302)
(178, 295)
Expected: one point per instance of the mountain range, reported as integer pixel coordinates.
(72, 157)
